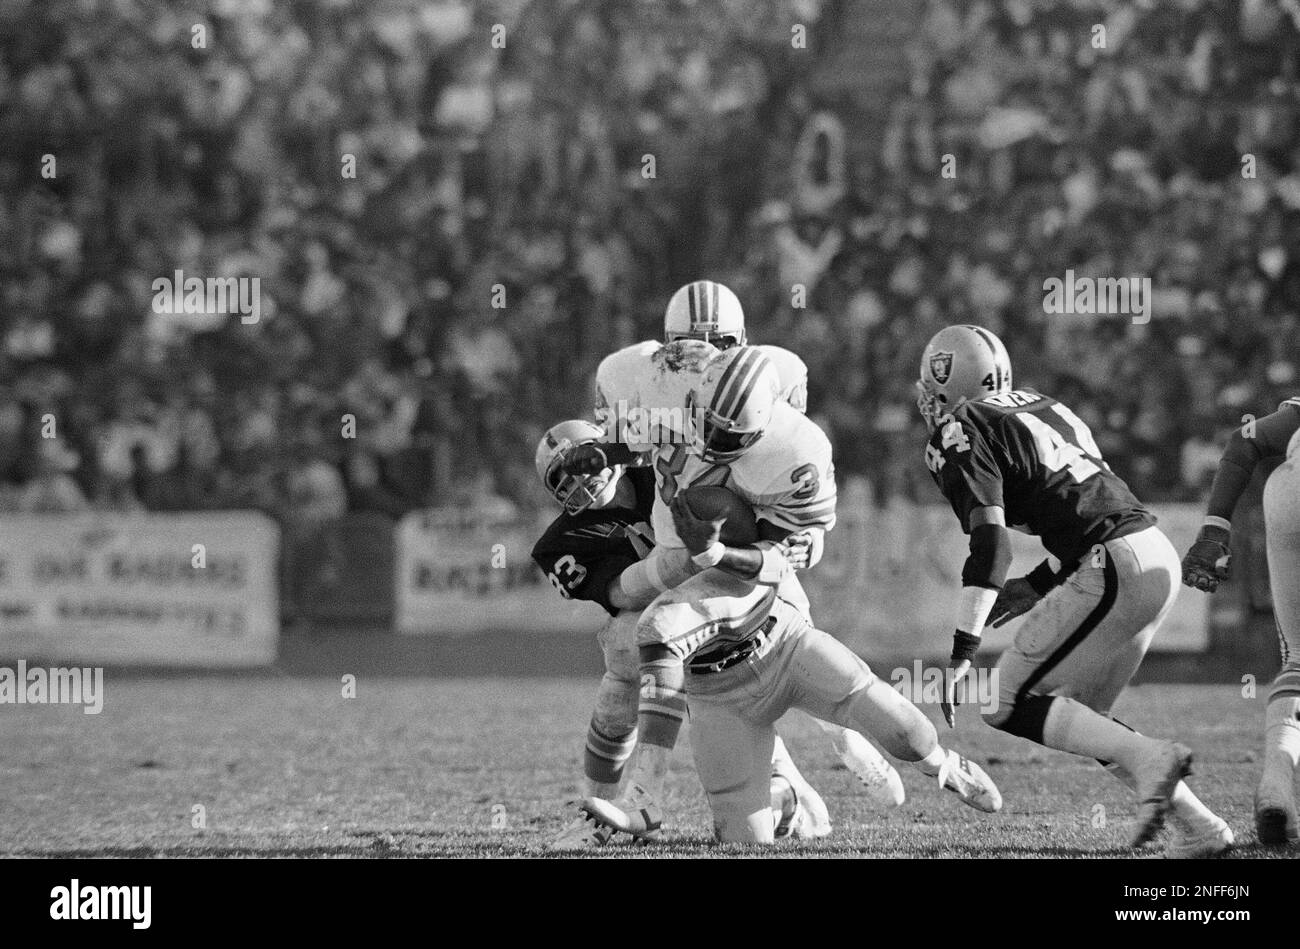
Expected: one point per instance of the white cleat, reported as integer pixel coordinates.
(635, 813)
(968, 781)
(884, 786)
(1156, 779)
(804, 815)
(1275, 809)
(1209, 839)
(581, 833)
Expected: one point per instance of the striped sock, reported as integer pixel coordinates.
(604, 759)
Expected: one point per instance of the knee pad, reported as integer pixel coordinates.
(1024, 719)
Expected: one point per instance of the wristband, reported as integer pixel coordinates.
(964, 646)
(1042, 578)
(711, 556)
(1220, 522)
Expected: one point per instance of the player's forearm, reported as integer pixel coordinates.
(1268, 438)
(640, 583)
(982, 576)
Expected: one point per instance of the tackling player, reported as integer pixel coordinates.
(1206, 564)
(596, 550)
(750, 615)
(1017, 458)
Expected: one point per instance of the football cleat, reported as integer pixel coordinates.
(1210, 839)
(635, 813)
(1275, 809)
(883, 785)
(968, 781)
(581, 833)
(1206, 839)
(1156, 779)
(803, 813)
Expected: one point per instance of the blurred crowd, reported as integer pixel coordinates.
(456, 209)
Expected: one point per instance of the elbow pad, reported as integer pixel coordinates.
(990, 557)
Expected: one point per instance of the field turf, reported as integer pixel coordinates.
(415, 767)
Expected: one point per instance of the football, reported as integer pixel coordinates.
(711, 502)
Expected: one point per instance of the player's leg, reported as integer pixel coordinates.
(733, 757)
(881, 781)
(830, 682)
(1275, 804)
(611, 733)
(1076, 651)
(670, 628)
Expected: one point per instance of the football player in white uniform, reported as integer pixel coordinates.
(596, 550)
(1206, 564)
(641, 397)
(749, 617)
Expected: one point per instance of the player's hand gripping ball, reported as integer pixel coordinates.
(1207, 563)
(704, 515)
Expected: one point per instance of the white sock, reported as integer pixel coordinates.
(606, 792)
(1072, 726)
(1187, 809)
(651, 769)
(1282, 733)
(933, 762)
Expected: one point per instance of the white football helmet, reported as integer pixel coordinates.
(960, 364)
(733, 401)
(705, 310)
(575, 493)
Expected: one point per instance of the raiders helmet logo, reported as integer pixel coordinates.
(941, 367)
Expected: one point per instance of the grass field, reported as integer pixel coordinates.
(481, 767)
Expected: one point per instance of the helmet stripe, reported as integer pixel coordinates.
(690, 299)
(733, 393)
(994, 348)
(722, 394)
(713, 304)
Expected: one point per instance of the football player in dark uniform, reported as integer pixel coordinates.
(598, 550)
(1016, 458)
(1272, 437)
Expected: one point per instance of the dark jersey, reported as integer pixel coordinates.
(581, 554)
(1031, 456)
(1258, 445)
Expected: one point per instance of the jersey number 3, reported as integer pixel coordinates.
(568, 575)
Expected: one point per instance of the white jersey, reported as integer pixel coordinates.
(793, 373)
(788, 477)
(642, 390)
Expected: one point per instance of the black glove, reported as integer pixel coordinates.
(1206, 564)
(1016, 597)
